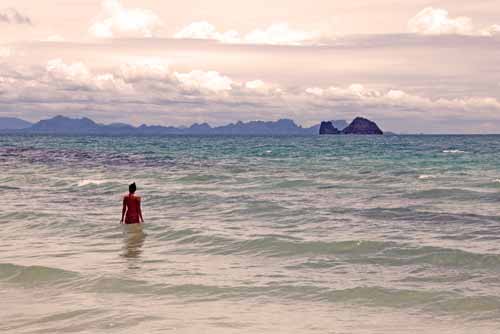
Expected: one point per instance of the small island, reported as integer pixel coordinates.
(359, 126)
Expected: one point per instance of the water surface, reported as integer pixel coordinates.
(335, 234)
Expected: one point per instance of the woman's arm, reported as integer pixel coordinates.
(124, 209)
(140, 211)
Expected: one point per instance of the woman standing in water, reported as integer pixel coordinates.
(131, 210)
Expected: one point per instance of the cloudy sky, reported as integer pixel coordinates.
(412, 66)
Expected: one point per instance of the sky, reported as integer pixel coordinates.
(412, 66)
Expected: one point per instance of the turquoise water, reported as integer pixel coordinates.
(336, 234)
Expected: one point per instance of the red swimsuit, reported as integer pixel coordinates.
(133, 204)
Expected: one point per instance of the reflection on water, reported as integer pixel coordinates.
(133, 240)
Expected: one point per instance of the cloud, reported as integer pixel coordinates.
(150, 76)
(77, 76)
(493, 30)
(203, 81)
(436, 21)
(145, 69)
(118, 21)
(153, 86)
(403, 102)
(54, 38)
(76, 73)
(281, 34)
(5, 52)
(205, 30)
(275, 34)
(12, 16)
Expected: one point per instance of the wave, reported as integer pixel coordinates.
(455, 194)
(385, 253)
(418, 215)
(454, 151)
(87, 182)
(446, 302)
(33, 275)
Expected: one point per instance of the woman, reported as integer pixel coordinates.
(132, 207)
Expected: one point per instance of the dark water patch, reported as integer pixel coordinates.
(420, 214)
(448, 279)
(7, 188)
(455, 194)
(292, 184)
(316, 264)
(82, 158)
(33, 276)
(407, 255)
(350, 251)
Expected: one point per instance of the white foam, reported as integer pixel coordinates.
(454, 151)
(83, 183)
(496, 180)
(426, 176)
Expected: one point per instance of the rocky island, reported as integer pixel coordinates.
(359, 126)
(327, 128)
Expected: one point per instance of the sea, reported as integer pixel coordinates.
(242, 234)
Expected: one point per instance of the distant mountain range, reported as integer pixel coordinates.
(66, 125)
(12, 123)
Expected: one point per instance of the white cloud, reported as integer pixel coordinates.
(205, 30)
(355, 91)
(492, 30)
(316, 91)
(6, 51)
(275, 34)
(260, 87)
(78, 76)
(109, 82)
(54, 38)
(12, 16)
(280, 34)
(395, 99)
(150, 76)
(118, 21)
(145, 69)
(210, 81)
(436, 21)
(59, 71)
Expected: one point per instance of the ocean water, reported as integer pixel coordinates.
(335, 234)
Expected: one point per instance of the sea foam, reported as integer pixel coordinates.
(83, 183)
(454, 151)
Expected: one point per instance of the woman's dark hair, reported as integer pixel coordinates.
(132, 188)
